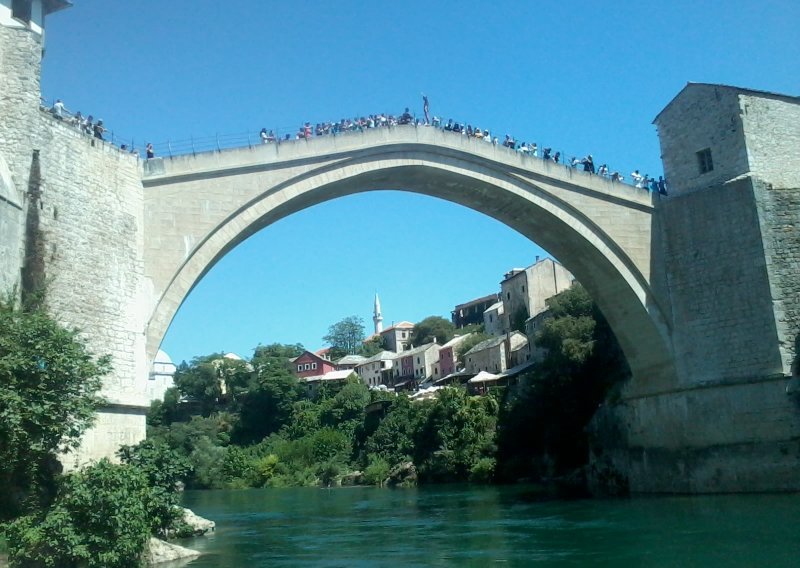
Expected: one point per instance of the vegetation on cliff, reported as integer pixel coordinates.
(268, 429)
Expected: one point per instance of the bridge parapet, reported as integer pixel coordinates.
(234, 160)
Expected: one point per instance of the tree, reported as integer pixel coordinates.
(558, 399)
(457, 433)
(267, 406)
(345, 337)
(373, 346)
(49, 384)
(432, 327)
(273, 359)
(200, 382)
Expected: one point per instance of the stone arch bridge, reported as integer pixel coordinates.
(199, 207)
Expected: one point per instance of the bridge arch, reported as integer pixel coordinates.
(568, 214)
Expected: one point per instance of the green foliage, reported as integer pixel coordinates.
(48, 397)
(199, 382)
(165, 469)
(345, 337)
(267, 406)
(393, 440)
(518, 319)
(471, 328)
(482, 471)
(377, 471)
(273, 359)
(372, 346)
(432, 327)
(542, 429)
(457, 432)
(285, 436)
(163, 466)
(99, 519)
(202, 441)
(167, 411)
(346, 408)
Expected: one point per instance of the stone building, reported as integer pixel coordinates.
(349, 362)
(417, 364)
(471, 312)
(496, 354)
(524, 293)
(377, 370)
(397, 337)
(494, 319)
(448, 362)
(161, 376)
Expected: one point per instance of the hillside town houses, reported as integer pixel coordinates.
(511, 317)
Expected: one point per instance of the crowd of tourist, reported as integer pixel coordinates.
(89, 126)
(96, 129)
(86, 124)
(382, 120)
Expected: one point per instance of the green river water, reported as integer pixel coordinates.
(490, 526)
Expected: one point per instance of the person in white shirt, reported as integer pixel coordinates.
(58, 110)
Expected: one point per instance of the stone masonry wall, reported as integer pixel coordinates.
(718, 286)
(91, 220)
(779, 211)
(772, 129)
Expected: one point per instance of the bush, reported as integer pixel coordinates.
(482, 471)
(377, 471)
(99, 519)
(164, 469)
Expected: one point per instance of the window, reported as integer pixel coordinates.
(523, 288)
(508, 295)
(490, 318)
(417, 360)
(307, 366)
(704, 161)
(299, 368)
(21, 10)
(313, 365)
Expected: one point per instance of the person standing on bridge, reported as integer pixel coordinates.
(425, 108)
(149, 151)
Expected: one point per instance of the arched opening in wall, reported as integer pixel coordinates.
(292, 280)
(288, 283)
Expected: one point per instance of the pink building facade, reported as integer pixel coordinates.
(310, 365)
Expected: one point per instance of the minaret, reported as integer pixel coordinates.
(377, 318)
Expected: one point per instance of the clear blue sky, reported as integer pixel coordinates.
(583, 77)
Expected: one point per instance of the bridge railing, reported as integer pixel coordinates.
(70, 118)
(219, 142)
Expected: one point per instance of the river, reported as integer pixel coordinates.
(490, 526)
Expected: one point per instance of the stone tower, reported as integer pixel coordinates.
(60, 190)
(377, 318)
(728, 262)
